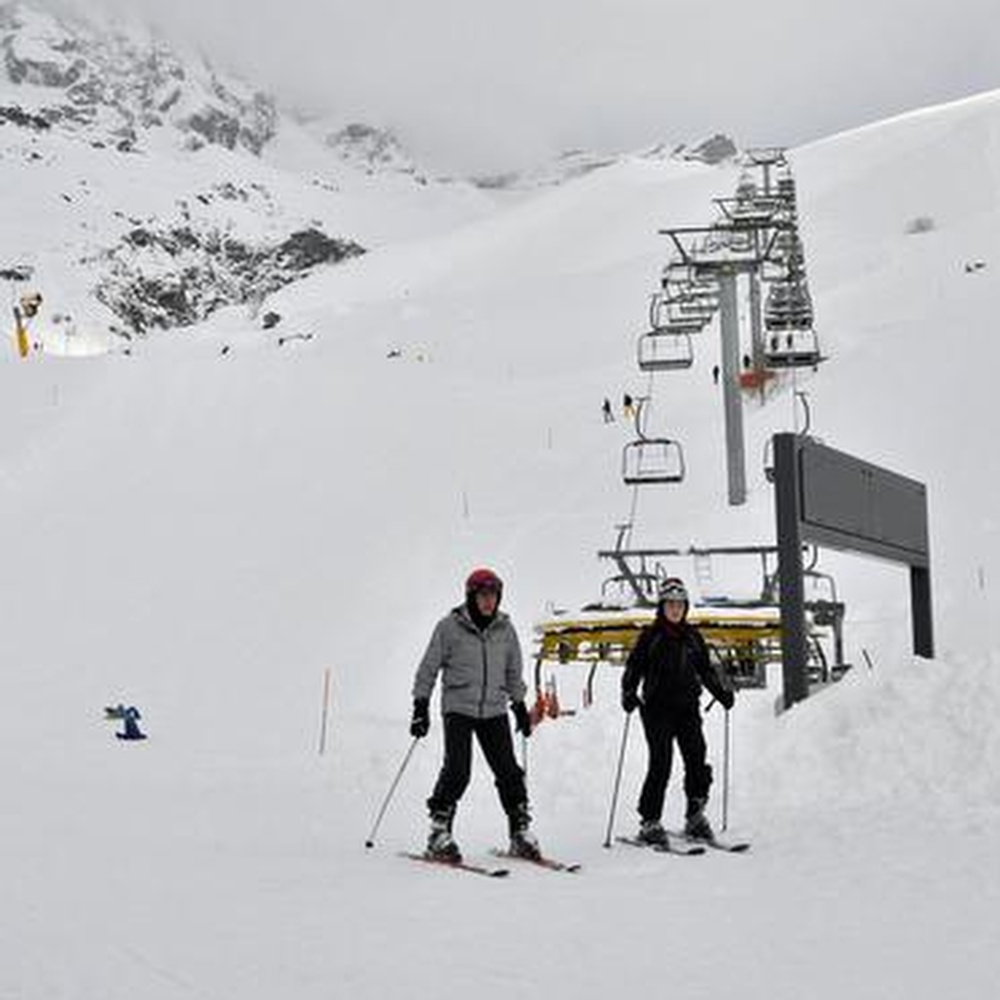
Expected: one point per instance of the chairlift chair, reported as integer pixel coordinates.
(788, 306)
(621, 589)
(699, 291)
(689, 308)
(660, 351)
(664, 319)
(680, 305)
(751, 207)
(652, 461)
(677, 272)
(691, 298)
(774, 268)
(792, 348)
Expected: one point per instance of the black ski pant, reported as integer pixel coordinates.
(662, 727)
(495, 741)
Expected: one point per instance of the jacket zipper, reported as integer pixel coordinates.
(482, 695)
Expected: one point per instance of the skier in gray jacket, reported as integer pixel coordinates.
(477, 653)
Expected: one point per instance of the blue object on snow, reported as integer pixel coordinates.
(132, 730)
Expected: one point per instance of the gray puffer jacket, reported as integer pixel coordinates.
(480, 670)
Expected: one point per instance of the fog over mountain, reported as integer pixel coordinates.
(483, 86)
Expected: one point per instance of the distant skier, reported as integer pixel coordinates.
(670, 660)
(628, 406)
(609, 417)
(478, 654)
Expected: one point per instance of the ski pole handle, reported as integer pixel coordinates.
(618, 779)
(370, 842)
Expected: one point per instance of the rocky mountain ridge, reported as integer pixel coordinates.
(119, 87)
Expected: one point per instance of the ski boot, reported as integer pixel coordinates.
(651, 832)
(523, 843)
(696, 826)
(440, 843)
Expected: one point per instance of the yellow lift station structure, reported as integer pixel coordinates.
(742, 641)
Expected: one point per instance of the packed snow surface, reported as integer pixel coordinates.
(205, 533)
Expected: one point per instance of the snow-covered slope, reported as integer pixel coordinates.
(204, 534)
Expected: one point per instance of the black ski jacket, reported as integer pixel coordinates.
(671, 666)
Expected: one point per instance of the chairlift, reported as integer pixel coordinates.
(775, 267)
(792, 349)
(749, 208)
(682, 308)
(677, 272)
(788, 306)
(817, 581)
(621, 589)
(698, 291)
(683, 305)
(663, 318)
(660, 351)
(691, 298)
(652, 461)
(786, 188)
(753, 216)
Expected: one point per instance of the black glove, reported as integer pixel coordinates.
(726, 698)
(420, 724)
(630, 700)
(521, 717)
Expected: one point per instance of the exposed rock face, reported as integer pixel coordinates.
(159, 278)
(716, 149)
(370, 149)
(117, 86)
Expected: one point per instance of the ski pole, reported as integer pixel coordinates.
(370, 842)
(725, 776)
(618, 779)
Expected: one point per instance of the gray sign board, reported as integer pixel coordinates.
(847, 503)
(836, 500)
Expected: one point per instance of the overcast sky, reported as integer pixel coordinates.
(487, 84)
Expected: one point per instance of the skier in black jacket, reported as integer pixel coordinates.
(670, 660)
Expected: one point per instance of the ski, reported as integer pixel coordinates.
(683, 851)
(464, 866)
(543, 862)
(728, 846)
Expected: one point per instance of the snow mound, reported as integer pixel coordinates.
(918, 734)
